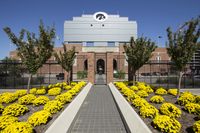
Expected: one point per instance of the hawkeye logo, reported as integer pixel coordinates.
(100, 16)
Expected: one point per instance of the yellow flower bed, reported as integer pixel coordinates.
(139, 102)
(134, 88)
(1, 108)
(157, 99)
(67, 87)
(27, 99)
(196, 126)
(15, 109)
(33, 91)
(20, 93)
(41, 91)
(54, 91)
(170, 110)
(142, 93)
(64, 98)
(166, 124)
(132, 97)
(19, 127)
(186, 97)
(193, 108)
(53, 106)
(8, 97)
(173, 92)
(73, 83)
(148, 111)
(40, 117)
(7, 120)
(161, 91)
(41, 100)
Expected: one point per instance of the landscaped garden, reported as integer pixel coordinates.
(161, 110)
(36, 111)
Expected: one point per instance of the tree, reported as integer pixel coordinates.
(182, 44)
(66, 60)
(138, 52)
(34, 52)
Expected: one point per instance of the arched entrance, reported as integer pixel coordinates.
(100, 66)
(86, 65)
(114, 65)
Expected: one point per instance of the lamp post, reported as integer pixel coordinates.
(159, 37)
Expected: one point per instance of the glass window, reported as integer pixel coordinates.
(111, 44)
(89, 44)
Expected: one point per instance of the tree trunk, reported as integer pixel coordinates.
(68, 77)
(29, 81)
(130, 73)
(179, 83)
(134, 77)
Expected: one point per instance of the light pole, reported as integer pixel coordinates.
(159, 37)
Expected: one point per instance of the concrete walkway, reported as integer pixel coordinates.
(98, 113)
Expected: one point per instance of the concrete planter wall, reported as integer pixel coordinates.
(63, 122)
(133, 121)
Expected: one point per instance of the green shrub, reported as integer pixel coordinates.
(196, 127)
(157, 99)
(81, 74)
(120, 74)
(170, 110)
(40, 117)
(148, 111)
(166, 124)
(27, 99)
(15, 109)
(53, 106)
(19, 127)
(41, 100)
(7, 120)
(54, 91)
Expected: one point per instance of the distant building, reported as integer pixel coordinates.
(98, 39)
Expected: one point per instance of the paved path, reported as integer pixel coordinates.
(98, 113)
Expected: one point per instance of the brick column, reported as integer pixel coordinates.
(109, 64)
(91, 72)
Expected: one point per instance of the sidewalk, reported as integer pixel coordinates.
(98, 113)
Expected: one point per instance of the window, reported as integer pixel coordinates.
(111, 44)
(158, 58)
(89, 44)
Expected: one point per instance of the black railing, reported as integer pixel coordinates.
(14, 75)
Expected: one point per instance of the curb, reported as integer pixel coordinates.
(133, 121)
(63, 122)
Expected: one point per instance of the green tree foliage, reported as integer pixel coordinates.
(33, 51)
(138, 52)
(182, 44)
(66, 60)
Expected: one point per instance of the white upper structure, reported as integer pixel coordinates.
(88, 29)
(99, 30)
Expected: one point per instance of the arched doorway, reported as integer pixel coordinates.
(114, 65)
(86, 65)
(100, 66)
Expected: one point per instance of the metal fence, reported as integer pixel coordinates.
(164, 74)
(14, 75)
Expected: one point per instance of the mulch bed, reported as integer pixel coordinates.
(33, 109)
(186, 120)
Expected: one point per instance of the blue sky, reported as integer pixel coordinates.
(152, 16)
